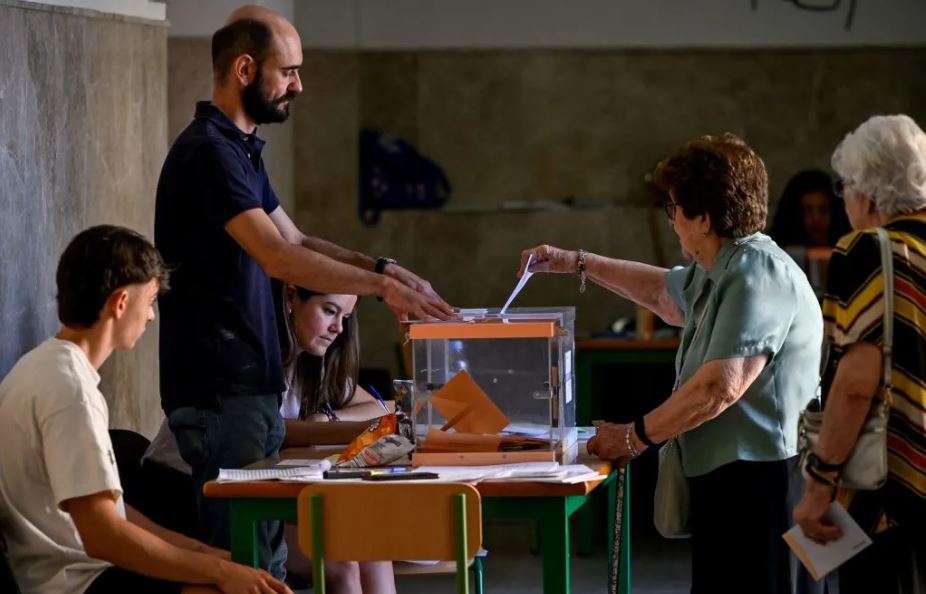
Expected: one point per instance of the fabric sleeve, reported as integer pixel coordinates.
(675, 284)
(229, 188)
(78, 453)
(757, 301)
(270, 200)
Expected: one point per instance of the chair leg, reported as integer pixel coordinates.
(462, 571)
(318, 552)
(477, 575)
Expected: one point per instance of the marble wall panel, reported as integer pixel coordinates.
(547, 124)
(82, 137)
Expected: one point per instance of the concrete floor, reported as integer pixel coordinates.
(658, 566)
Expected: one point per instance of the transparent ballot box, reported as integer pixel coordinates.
(494, 388)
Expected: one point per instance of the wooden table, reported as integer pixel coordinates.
(549, 505)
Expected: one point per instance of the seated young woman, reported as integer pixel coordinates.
(319, 343)
(323, 404)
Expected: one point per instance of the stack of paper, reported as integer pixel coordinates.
(533, 472)
(309, 470)
(321, 464)
(566, 474)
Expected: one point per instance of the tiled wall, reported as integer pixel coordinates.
(83, 106)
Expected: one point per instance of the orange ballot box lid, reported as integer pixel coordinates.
(486, 328)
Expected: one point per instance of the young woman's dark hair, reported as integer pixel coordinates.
(324, 384)
(788, 225)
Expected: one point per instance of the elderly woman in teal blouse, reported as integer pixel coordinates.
(747, 365)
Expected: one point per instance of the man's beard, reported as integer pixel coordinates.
(261, 109)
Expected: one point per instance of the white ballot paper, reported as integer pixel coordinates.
(309, 470)
(822, 559)
(520, 285)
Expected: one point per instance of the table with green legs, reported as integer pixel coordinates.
(599, 355)
(549, 505)
(552, 513)
(607, 359)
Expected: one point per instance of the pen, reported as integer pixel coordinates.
(379, 398)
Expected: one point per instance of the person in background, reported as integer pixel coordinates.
(808, 222)
(809, 213)
(61, 508)
(882, 171)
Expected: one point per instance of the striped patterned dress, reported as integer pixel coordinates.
(853, 308)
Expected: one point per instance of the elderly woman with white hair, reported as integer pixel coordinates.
(882, 170)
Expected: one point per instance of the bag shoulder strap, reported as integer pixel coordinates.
(887, 271)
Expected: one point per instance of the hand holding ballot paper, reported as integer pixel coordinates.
(820, 559)
(517, 289)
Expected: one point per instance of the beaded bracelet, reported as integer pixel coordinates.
(629, 442)
(580, 265)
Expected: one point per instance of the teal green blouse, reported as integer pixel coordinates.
(755, 300)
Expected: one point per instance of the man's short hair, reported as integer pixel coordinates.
(98, 261)
(245, 36)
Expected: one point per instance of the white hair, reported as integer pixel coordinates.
(885, 158)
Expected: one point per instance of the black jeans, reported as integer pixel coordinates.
(244, 430)
(738, 514)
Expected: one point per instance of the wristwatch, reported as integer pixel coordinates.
(381, 263)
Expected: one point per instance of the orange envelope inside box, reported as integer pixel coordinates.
(445, 441)
(467, 408)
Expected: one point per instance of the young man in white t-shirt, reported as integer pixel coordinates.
(61, 508)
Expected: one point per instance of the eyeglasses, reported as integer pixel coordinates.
(670, 209)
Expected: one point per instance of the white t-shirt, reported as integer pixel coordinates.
(292, 402)
(56, 446)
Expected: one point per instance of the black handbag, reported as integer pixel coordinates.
(395, 176)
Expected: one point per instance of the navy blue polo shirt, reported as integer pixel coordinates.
(218, 325)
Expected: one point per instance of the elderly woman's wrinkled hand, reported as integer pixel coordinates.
(810, 511)
(609, 442)
(547, 258)
(592, 446)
